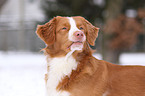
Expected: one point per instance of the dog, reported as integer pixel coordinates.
(73, 71)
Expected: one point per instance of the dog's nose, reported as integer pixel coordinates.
(79, 34)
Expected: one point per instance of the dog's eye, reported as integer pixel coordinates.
(81, 28)
(64, 28)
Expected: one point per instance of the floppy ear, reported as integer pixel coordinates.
(47, 32)
(92, 33)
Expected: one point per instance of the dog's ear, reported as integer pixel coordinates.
(92, 33)
(47, 32)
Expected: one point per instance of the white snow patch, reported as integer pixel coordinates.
(98, 56)
(132, 59)
(22, 74)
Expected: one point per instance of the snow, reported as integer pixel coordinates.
(22, 74)
(132, 59)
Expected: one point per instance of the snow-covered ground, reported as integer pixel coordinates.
(132, 59)
(22, 74)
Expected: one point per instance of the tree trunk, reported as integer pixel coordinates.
(113, 10)
(112, 56)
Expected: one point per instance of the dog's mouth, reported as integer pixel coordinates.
(76, 45)
(77, 42)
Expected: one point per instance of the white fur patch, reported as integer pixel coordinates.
(73, 28)
(77, 47)
(58, 69)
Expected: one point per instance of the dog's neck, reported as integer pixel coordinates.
(61, 67)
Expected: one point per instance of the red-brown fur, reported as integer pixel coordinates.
(92, 77)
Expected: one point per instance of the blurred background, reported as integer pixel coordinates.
(121, 23)
(121, 38)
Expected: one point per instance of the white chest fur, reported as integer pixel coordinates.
(59, 68)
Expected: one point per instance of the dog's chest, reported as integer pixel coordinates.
(58, 69)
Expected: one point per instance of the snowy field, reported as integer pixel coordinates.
(132, 59)
(22, 74)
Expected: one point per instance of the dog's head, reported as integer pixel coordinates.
(68, 33)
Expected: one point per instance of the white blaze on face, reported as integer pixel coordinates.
(73, 29)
